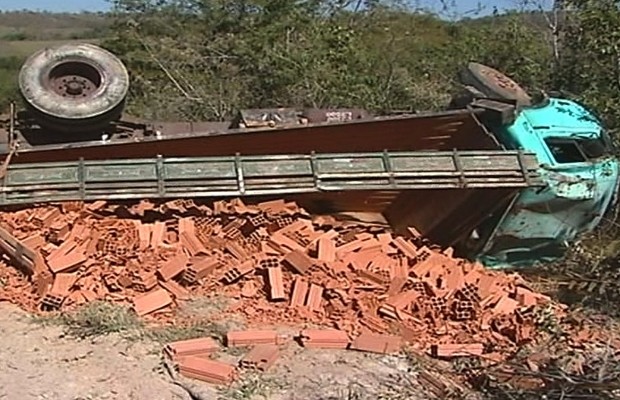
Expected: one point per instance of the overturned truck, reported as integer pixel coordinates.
(498, 176)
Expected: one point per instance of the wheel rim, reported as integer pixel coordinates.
(74, 79)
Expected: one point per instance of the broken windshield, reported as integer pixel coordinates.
(579, 148)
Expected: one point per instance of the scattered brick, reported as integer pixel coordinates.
(261, 357)
(383, 344)
(276, 284)
(191, 347)
(324, 338)
(344, 275)
(300, 291)
(327, 250)
(315, 298)
(206, 370)
(66, 262)
(199, 269)
(151, 302)
(252, 337)
(298, 261)
(173, 267)
(176, 290)
(456, 350)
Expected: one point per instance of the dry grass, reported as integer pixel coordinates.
(95, 319)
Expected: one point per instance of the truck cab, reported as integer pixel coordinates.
(582, 175)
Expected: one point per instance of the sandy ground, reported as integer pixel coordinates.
(38, 361)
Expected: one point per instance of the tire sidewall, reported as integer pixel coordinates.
(37, 93)
(475, 77)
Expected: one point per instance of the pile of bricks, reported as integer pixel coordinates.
(281, 264)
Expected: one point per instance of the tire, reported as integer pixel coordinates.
(75, 87)
(494, 84)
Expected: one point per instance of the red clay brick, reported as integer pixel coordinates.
(173, 267)
(176, 290)
(192, 244)
(276, 284)
(235, 273)
(506, 305)
(327, 250)
(456, 350)
(206, 370)
(324, 338)
(287, 243)
(151, 302)
(237, 251)
(261, 357)
(144, 235)
(251, 337)
(315, 297)
(191, 347)
(298, 261)
(405, 247)
(66, 262)
(199, 269)
(396, 285)
(300, 291)
(158, 232)
(62, 283)
(374, 343)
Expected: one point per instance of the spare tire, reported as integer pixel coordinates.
(74, 87)
(494, 84)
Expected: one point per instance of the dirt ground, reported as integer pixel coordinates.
(41, 361)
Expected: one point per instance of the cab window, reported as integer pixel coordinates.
(576, 150)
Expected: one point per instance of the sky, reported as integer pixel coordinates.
(103, 5)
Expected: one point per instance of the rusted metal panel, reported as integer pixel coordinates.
(314, 115)
(424, 132)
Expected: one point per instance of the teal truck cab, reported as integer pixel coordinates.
(577, 162)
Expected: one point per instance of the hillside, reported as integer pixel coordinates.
(34, 26)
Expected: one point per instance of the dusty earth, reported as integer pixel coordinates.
(42, 361)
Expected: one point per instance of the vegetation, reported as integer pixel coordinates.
(196, 60)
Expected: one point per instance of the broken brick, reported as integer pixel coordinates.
(261, 357)
(298, 261)
(456, 350)
(173, 267)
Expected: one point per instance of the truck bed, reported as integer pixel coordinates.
(163, 177)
